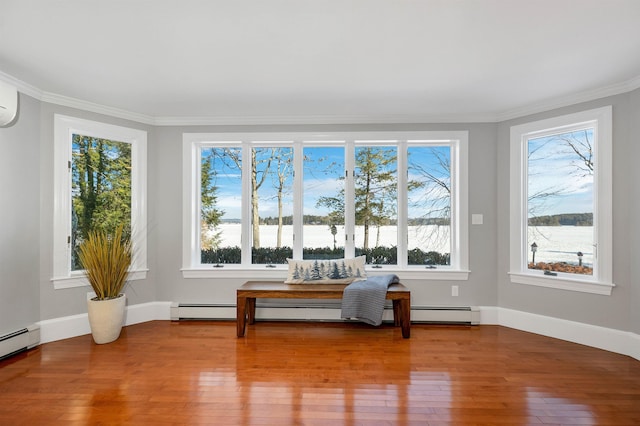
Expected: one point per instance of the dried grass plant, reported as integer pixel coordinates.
(106, 260)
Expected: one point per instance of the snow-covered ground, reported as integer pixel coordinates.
(555, 243)
(562, 243)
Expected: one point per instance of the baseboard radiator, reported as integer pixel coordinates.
(19, 341)
(321, 312)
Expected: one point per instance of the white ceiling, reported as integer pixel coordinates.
(235, 61)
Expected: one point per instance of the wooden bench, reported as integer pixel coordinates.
(251, 290)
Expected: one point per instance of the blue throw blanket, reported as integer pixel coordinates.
(364, 300)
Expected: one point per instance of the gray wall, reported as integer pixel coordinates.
(26, 197)
(64, 302)
(634, 203)
(479, 290)
(19, 218)
(607, 311)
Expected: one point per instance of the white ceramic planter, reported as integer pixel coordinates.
(106, 318)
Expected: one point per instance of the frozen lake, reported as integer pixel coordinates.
(555, 243)
(562, 243)
(314, 235)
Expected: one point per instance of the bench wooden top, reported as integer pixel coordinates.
(278, 289)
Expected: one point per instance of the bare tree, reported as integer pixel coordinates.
(572, 144)
(283, 171)
(430, 190)
(582, 146)
(259, 170)
(577, 148)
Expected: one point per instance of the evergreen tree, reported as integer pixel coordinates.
(209, 213)
(100, 188)
(375, 190)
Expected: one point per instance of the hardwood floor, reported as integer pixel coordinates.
(318, 374)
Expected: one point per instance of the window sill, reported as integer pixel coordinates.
(562, 282)
(79, 280)
(280, 273)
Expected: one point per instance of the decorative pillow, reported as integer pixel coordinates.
(332, 271)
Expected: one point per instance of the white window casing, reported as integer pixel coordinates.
(64, 129)
(192, 143)
(601, 282)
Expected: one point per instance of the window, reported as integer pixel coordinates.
(429, 204)
(375, 183)
(100, 182)
(251, 201)
(100, 188)
(220, 204)
(323, 202)
(271, 204)
(561, 202)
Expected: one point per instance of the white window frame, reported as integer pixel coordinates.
(64, 129)
(191, 266)
(601, 280)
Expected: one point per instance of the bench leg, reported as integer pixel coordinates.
(402, 316)
(396, 313)
(241, 315)
(405, 317)
(251, 310)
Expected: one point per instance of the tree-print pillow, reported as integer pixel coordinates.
(331, 271)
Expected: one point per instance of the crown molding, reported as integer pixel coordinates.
(22, 87)
(97, 108)
(68, 101)
(572, 99)
(547, 105)
(325, 119)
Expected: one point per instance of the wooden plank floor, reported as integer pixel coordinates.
(318, 374)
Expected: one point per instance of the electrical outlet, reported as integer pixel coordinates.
(454, 290)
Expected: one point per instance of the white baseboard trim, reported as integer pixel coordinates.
(151, 311)
(622, 342)
(608, 339)
(78, 325)
(634, 343)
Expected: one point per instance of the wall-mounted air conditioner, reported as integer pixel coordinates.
(8, 103)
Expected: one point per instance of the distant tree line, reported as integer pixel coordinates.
(329, 220)
(567, 219)
(306, 220)
(423, 221)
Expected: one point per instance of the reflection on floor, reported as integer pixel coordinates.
(319, 374)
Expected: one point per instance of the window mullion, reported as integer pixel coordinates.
(402, 219)
(298, 200)
(246, 239)
(349, 199)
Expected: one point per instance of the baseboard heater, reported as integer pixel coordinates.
(446, 314)
(19, 341)
(321, 312)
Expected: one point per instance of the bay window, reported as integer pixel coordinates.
(252, 201)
